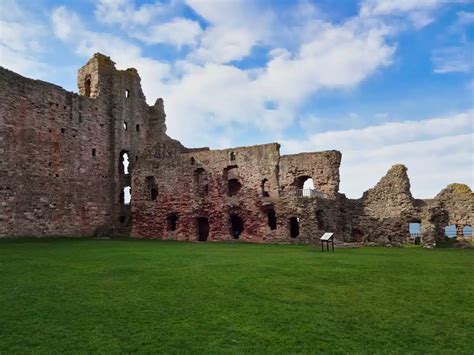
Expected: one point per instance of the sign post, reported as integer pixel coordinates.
(327, 237)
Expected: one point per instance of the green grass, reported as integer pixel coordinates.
(148, 296)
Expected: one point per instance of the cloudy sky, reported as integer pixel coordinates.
(383, 81)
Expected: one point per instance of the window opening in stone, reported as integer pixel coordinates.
(124, 163)
(272, 220)
(234, 187)
(122, 219)
(308, 187)
(200, 179)
(151, 188)
(93, 152)
(192, 161)
(414, 231)
(137, 128)
(127, 193)
(450, 231)
(232, 156)
(236, 226)
(127, 93)
(63, 130)
(294, 227)
(125, 126)
(203, 229)
(265, 188)
(320, 219)
(467, 231)
(87, 85)
(171, 222)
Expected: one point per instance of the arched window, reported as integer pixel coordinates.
(232, 156)
(124, 162)
(192, 161)
(450, 231)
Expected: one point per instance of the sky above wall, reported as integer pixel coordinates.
(382, 81)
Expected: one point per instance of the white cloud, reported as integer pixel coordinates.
(126, 14)
(465, 18)
(22, 39)
(234, 28)
(458, 59)
(436, 151)
(68, 27)
(419, 12)
(179, 32)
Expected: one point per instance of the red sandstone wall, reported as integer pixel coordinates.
(50, 182)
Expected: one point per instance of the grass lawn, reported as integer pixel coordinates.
(151, 296)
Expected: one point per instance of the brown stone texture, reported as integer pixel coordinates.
(61, 174)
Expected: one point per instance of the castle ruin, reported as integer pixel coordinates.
(68, 160)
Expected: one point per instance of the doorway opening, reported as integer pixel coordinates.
(294, 227)
(203, 229)
(236, 226)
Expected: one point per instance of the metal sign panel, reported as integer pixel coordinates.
(327, 236)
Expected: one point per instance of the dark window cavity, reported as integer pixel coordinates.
(171, 222)
(203, 229)
(151, 188)
(236, 226)
(272, 220)
(234, 187)
(294, 227)
(87, 85)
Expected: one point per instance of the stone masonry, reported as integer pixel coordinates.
(67, 160)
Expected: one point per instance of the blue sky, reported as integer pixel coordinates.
(383, 81)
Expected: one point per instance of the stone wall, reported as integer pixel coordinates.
(62, 174)
(60, 152)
